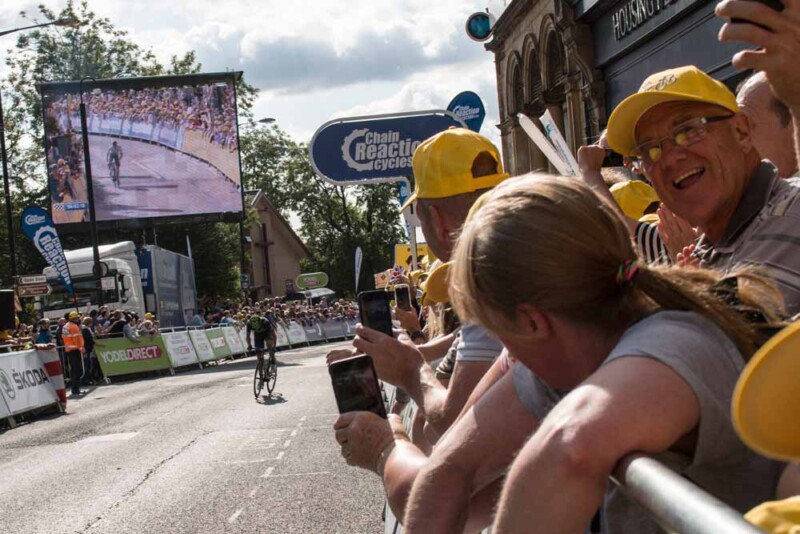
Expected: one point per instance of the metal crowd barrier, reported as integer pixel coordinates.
(674, 502)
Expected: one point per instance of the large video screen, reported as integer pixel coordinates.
(160, 147)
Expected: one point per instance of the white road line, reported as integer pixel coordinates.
(268, 472)
(316, 473)
(294, 433)
(253, 492)
(287, 443)
(302, 418)
(235, 515)
(280, 455)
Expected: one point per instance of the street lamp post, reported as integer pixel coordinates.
(87, 166)
(71, 22)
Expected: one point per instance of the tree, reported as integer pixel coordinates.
(99, 50)
(334, 220)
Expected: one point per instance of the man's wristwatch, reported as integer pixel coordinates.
(417, 334)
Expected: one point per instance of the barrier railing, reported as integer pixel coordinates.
(674, 502)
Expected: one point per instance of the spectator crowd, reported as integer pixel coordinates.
(568, 324)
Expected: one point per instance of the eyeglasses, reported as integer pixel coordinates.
(683, 135)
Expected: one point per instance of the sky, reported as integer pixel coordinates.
(314, 60)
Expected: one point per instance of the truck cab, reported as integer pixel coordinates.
(122, 287)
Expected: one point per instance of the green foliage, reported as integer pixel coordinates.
(334, 221)
(99, 50)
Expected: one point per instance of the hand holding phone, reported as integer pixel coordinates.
(402, 296)
(355, 386)
(375, 312)
(776, 5)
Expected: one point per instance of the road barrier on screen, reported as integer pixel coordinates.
(216, 337)
(233, 340)
(202, 347)
(25, 384)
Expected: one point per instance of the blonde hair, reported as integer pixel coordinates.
(553, 243)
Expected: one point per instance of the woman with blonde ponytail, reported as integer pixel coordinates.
(613, 356)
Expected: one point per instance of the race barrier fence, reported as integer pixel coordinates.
(28, 383)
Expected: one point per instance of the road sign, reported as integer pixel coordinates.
(311, 280)
(374, 149)
(32, 279)
(38, 290)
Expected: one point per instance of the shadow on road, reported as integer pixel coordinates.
(276, 398)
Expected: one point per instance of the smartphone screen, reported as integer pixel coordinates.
(777, 5)
(402, 296)
(375, 313)
(355, 386)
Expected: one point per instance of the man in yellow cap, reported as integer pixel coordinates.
(697, 150)
(451, 170)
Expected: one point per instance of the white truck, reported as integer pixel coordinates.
(148, 279)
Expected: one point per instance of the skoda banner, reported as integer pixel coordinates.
(374, 149)
(468, 107)
(38, 226)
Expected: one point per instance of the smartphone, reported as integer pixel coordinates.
(355, 386)
(777, 5)
(402, 296)
(375, 312)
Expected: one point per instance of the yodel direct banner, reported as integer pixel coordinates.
(39, 227)
(121, 356)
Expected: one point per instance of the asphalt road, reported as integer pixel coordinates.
(190, 453)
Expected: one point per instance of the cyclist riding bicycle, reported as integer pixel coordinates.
(264, 334)
(114, 158)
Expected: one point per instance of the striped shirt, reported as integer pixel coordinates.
(765, 232)
(650, 244)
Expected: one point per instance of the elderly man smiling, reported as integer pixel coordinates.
(697, 150)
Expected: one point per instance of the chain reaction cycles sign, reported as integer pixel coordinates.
(468, 107)
(374, 149)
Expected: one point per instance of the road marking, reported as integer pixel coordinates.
(235, 515)
(268, 472)
(280, 455)
(294, 433)
(233, 462)
(316, 473)
(253, 492)
(287, 443)
(302, 418)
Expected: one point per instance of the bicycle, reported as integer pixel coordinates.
(266, 373)
(113, 169)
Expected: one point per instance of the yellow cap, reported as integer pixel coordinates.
(443, 165)
(633, 197)
(777, 516)
(436, 285)
(650, 218)
(683, 83)
(74, 315)
(767, 397)
(149, 316)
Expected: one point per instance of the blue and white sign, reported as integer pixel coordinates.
(39, 227)
(379, 148)
(468, 107)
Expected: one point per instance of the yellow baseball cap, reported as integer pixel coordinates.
(682, 83)
(777, 516)
(435, 287)
(149, 316)
(74, 315)
(443, 165)
(633, 197)
(767, 397)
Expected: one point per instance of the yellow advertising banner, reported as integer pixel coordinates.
(402, 255)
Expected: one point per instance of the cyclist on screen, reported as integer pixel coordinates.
(114, 158)
(262, 325)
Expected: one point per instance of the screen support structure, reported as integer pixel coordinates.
(87, 165)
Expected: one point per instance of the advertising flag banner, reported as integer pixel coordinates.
(24, 383)
(552, 133)
(201, 346)
(121, 356)
(468, 107)
(374, 149)
(359, 257)
(180, 349)
(39, 227)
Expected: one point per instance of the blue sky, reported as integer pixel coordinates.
(315, 60)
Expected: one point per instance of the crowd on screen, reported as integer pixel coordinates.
(209, 109)
(573, 321)
(303, 312)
